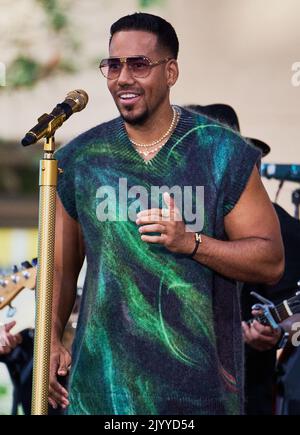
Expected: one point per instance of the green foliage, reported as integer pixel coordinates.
(23, 71)
(144, 4)
(3, 390)
(26, 71)
(57, 18)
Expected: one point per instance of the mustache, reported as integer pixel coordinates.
(129, 90)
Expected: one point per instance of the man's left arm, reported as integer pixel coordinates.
(254, 251)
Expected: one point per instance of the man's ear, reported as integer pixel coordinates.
(172, 72)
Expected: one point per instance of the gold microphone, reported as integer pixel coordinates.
(75, 101)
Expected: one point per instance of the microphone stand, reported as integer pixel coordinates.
(46, 127)
(45, 271)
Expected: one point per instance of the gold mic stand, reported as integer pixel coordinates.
(48, 124)
(44, 290)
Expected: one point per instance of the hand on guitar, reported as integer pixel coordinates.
(8, 341)
(60, 363)
(258, 336)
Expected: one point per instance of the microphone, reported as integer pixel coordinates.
(281, 172)
(75, 101)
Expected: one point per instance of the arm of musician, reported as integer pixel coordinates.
(8, 341)
(260, 337)
(69, 256)
(254, 252)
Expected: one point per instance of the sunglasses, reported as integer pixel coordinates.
(139, 66)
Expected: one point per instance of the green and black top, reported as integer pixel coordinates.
(158, 333)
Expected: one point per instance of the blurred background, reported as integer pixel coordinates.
(246, 54)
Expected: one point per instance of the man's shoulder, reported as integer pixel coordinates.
(94, 135)
(195, 118)
(212, 134)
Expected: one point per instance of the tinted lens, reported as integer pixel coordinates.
(111, 68)
(139, 66)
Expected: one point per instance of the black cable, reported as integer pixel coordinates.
(279, 190)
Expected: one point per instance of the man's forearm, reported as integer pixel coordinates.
(63, 302)
(248, 260)
(69, 257)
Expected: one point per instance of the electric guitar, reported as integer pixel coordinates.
(17, 301)
(17, 298)
(273, 315)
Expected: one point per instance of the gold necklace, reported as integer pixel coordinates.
(166, 134)
(146, 153)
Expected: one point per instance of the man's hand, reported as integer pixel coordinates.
(60, 363)
(259, 336)
(169, 223)
(8, 341)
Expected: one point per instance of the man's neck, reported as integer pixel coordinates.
(153, 128)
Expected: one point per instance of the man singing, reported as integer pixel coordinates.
(159, 326)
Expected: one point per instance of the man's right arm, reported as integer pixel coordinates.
(69, 256)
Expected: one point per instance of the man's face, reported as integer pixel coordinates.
(138, 98)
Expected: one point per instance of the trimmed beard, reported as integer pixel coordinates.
(138, 120)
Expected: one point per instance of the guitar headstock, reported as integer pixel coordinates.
(11, 285)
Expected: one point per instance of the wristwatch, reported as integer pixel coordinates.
(198, 240)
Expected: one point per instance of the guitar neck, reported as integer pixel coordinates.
(280, 312)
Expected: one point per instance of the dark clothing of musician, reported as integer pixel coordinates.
(260, 376)
(19, 363)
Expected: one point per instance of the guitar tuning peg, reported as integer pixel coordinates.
(15, 278)
(26, 274)
(15, 269)
(26, 265)
(34, 262)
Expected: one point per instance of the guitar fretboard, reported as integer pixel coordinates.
(282, 311)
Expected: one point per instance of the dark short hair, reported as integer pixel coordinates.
(164, 31)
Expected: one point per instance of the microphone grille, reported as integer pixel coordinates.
(79, 97)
